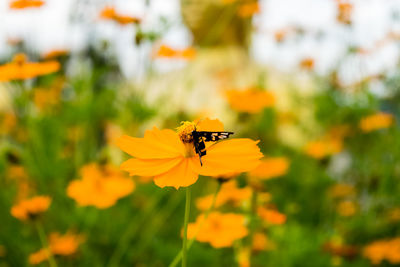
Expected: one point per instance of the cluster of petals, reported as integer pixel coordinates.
(163, 155)
(270, 168)
(20, 68)
(249, 9)
(229, 193)
(387, 249)
(30, 208)
(62, 245)
(324, 147)
(218, 229)
(376, 121)
(250, 100)
(109, 13)
(100, 186)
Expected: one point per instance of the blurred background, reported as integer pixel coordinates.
(316, 81)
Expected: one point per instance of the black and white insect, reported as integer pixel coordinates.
(199, 137)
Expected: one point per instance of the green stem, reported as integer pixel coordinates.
(45, 245)
(178, 257)
(253, 219)
(185, 226)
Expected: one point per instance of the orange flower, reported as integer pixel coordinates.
(251, 100)
(346, 208)
(387, 249)
(21, 69)
(261, 242)
(271, 216)
(344, 11)
(171, 159)
(248, 9)
(307, 63)
(243, 257)
(219, 229)
(30, 208)
(100, 186)
(376, 121)
(22, 4)
(62, 245)
(168, 52)
(324, 147)
(55, 54)
(229, 193)
(109, 13)
(271, 168)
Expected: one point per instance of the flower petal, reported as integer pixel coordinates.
(156, 144)
(182, 174)
(210, 125)
(149, 167)
(235, 155)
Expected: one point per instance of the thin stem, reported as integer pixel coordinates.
(178, 257)
(253, 218)
(185, 226)
(45, 245)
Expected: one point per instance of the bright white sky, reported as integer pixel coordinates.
(50, 28)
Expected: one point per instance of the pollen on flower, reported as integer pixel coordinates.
(185, 131)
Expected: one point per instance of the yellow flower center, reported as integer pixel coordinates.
(185, 131)
(185, 134)
(20, 58)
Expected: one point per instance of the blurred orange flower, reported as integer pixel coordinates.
(307, 63)
(62, 245)
(171, 159)
(346, 208)
(229, 193)
(109, 13)
(248, 9)
(324, 147)
(261, 242)
(342, 190)
(7, 122)
(55, 54)
(46, 97)
(219, 229)
(168, 52)
(22, 4)
(271, 168)
(376, 121)
(100, 186)
(30, 208)
(243, 257)
(20, 68)
(251, 100)
(344, 11)
(387, 249)
(271, 216)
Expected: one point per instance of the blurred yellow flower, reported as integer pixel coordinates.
(346, 208)
(8, 121)
(219, 229)
(243, 257)
(249, 9)
(324, 147)
(271, 216)
(387, 249)
(250, 100)
(46, 97)
(20, 68)
(229, 193)
(109, 13)
(30, 208)
(62, 245)
(344, 11)
(271, 168)
(171, 159)
(22, 4)
(100, 186)
(376, 121)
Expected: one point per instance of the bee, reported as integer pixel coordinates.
(199, 137)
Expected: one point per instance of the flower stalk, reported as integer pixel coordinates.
(45, 245)
(185, 226)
